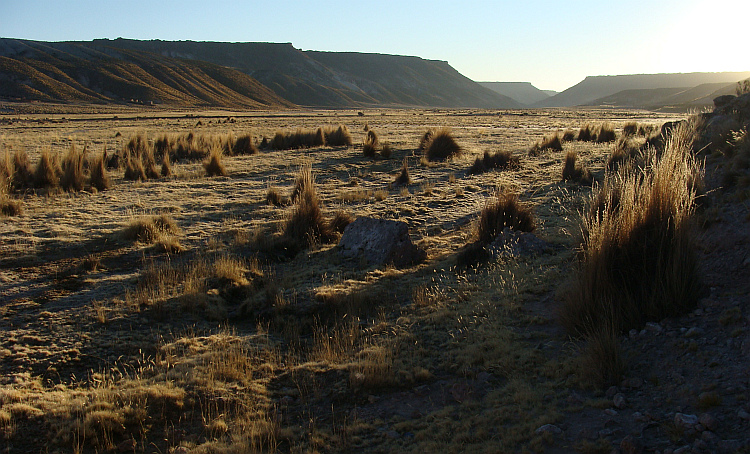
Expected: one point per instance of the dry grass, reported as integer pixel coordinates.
(23, 174)
(47, 171)
(425, 140)
(338, 136)
(606, 133)
(403, 177)
(98, 175)
(574, 171)
(506, 211)
(340, 220)
(548, 142)
(73, 178)
(630, 128)
(585, 134)
(370, 144)
(441, 146)
(638, 262)
(386, 150)
(244, 146)
(149, 229)
(490, 161)
(306, 225)
(213, 165)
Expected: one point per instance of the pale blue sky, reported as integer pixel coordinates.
(554, 45)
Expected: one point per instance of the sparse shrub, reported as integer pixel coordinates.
(370, 144)
(575, 171)
(149, 163)
(8, 206)
(505, 211)
(338, 137)
(625, 151)
(99, 177)
(403, 178)
(264, 143)
(499, 160)
(638, 262)
(630, 128)
(340, 220)
(606, 133)
(72, 178)
(302, 181)
(603, 361)
(442, 146)
(47, 172)
(568, 136)
(149, 229)
(213, 165)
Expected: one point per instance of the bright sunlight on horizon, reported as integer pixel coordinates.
(550, 44)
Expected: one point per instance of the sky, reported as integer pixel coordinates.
(554, 45)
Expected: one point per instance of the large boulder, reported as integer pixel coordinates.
(380, 242)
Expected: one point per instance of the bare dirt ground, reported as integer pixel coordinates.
(112, 345)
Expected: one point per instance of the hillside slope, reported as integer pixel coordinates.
(334, 79)
(71, 72)
(522, 92)
(593, 88)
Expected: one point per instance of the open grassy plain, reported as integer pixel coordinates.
(210, 339)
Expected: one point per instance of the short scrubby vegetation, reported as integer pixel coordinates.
(500, 160)
(549, 142)
(440, 145)
(574, 170)
(506, 211)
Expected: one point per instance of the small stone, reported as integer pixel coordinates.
(619, 401)
(743, 414)
(635, 382)
(392, 434)
(549, 428)
(654, 327)
(685, 421)
(700, 445)
(611, 391)
(633, 333)
(611, 412)
(708, 421)
(683, 450)
(629, 445)
(694, 332)
(639, 417)
(708, 436)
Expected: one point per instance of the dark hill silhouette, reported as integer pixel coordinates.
(522, 92)
(593, 88)
(31, 70)
(332, 79)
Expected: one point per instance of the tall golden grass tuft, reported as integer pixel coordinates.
(442, 146)
(403, 178)
(606, 133)
(489, 161)
(47, 171)
(638, 262)
(548, 142)
(98, 176)
(425, 140)
(338, 137)
(72, 178)
(573, 170)
(134, 167)
(244, 145)
(306, 225)
(505, 211)
(23, 174)
(213, 165)
(370, 144)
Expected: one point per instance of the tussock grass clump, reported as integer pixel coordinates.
(213, 165)
(606, 133)
(150, 229)
(47, 171)
(737, 164)
(586, 134)
(386, 150)
(306, 225)
(442, 146)
(338, 137)
(499, 160)
(8, 206)
(23, 173)
(425, 140)
(603, 360)
(149, 164)
(626, 151)
(370, 144)
(403, 178)
(340, 220)
(274, 197)
(134, 167)
(549, 142)
(574, 171)
(568, 135)
(505, 211)
(630, 128)
(301, 138)
(638, 262)
(244, 145)
(99, 177)
(72, 178)
(166, 166)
